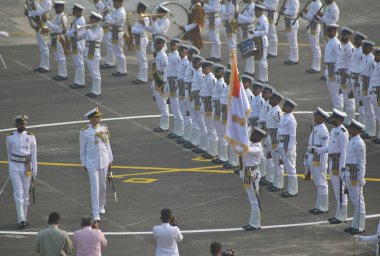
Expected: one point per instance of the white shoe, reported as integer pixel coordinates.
(102, 211)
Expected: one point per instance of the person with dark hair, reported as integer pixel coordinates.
(216, 249)
(52, 240)
(167, 235)
(89, 241)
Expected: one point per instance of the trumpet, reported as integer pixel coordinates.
(150, 15)
(87, 26)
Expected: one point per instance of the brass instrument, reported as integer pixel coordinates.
(33, 21)
(301, 12)
(64, 39)
(87, 26)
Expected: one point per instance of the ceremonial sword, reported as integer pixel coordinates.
(110, 179)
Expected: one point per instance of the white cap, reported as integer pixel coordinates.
(197, 57)
(59, 2)
(257, 129)
(176, 40)
(255, 83)
(79, 6)
(346, 29)
(277, 94)
(96, 15)
(219, 66)
(290, 102)
(143, 4)
(194, 49)
(163, 8)
(332, 25)
(339, 113)
(357, 33)
(93, 112)
(259, 6)
(322, 112)
(368, 42)
(250, 78)
(21, 117)
(162, 38)
(268, 87)
(357, 124)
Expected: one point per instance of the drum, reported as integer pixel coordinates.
(178, 16)
(247, 48)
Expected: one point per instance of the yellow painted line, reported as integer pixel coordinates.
(119, 176)
(200, 159)
(140, 180)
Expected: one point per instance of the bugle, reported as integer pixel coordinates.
(87, 26)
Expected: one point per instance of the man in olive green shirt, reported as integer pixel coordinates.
(52, 241)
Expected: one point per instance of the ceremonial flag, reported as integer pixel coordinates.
(238, 109)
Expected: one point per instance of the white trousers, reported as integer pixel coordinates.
(250, 61)
(214, 36)
(98, 184)
(21, 184)
(320, 180)
(263, 66)
(349, 105)
(255, 216)
(356, 195)
(273, 40)
(44, 51)
(370, 125)
(60, 58)
(293, 43)
(79, 67)
(110, 55)
(162, 107)
(93, 69)
(315, 49)
(118, 51)
(278, 169)
(341, 210)
(142, 61)
(336, 97)
(289, 159)
(231, 43)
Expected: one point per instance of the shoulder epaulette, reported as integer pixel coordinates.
(84, 128)
(343, 130)
(30, 133)
(9, 134)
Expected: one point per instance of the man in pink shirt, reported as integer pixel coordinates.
(89, 241)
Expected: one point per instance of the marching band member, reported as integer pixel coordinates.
(22, 158)
(271, 8)
(337, 150)
(247, 84)
(116, 21)
(319, 137)
(375, 85)
(58, 43)
(261, 30)
(193, 30)
(212, 9)
(220, 86)
(42, 7)
(313, 34)
(355, 176)
(140, 42)
(96, 158)
(290, 11)
(102, 6)
(77, 47)
(330, 15)
(331, 55)
(159, 83)
(341, 66)
(287, 131)
(173, 62)
(160, 25)
(93, 36)
(354, 71)
(227, 11)
(366, 68)
(273, 119)
(246, 19)
(251, 177)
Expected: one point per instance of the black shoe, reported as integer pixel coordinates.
(76, 86)
(219, 161)
(159, 129)
(173, 136)
(288, 195)
(106, 66)
(189, 145)
(323, 78)
(312, 71)
(313, 210)
(265, 183)
(354, 231)
(330, 219)
(181, 141)
(228, 166)
(138, 81)
(245, 226)
(237, 172)
(290, 62)
(250, 228)
(336, 221)
(275, 189)
(317, 211)
(199, 151)
(349, 230)
(59, 78)
(216, 59)
(214, 160)
(41, 70)
(22, 225)
(92, 95)
(117, 73)
(366, 136)
(208, 156)
(271, 56)
(376, 141)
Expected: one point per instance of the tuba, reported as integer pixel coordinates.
(64, 39)
(33, 21)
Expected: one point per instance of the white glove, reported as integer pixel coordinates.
(362, 182)
(4, 34)
(311, 149)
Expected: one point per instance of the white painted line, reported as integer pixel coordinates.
(194, 231)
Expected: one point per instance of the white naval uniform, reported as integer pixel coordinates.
(173, 62)
(227, 12)
(354, 71)
(160, 27)
(338, 141)
(266, 164)
(41, 8)
(161, 62)
(366, 69)
(56, 26)
(77, 56)
(206, 92)
(374, 86)
(288, 128)
(257, 104)
(192, 122)
(261, 30)
(19, 146)
(273, 119)
(167, 237)
(373, 239)
(341, 66)
(220, 86)
(331, 56)
(139, 31)
(318, 166)
(184, 71)
(93, 35)
(213, 8)
(250, 96)
(247, 18)
(330, 15)
(116, 20)
(110, 56)
(356, 156)
(314, 34)
(199, 133)
(96, 156)
(291, 10)
(271, 8)
(252, 159)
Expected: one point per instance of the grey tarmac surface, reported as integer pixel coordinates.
(201, 195)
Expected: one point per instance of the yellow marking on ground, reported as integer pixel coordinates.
(139, 180)
(207, 167)
(172, 171)
(200, 159)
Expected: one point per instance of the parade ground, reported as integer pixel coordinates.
(154, 172)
